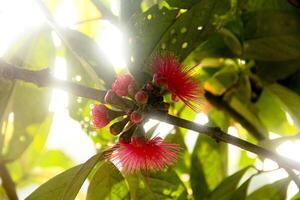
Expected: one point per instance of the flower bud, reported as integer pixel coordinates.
(122, 83)
(136, 117)
(103, 115)
(141, 97)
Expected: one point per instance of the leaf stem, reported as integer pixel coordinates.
(7, 183)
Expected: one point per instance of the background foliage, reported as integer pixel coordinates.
(248, 54)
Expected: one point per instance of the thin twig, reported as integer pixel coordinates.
(43, 79)
(7, 183)
(218, 102)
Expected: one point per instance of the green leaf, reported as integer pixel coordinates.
(274, 191)
(290, 99)
(181, 33)
(164, 185)
(28, 106)
(128, 8)
(66, 185)
(272, 71)
(265, 39)
(273, 115)
(241, 192)
(108, 184)
(88, 49)
(226, 188)
(208, 166)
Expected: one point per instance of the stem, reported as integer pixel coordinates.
(219, 135)
(7, 183)
(43, 78)
(218, 102)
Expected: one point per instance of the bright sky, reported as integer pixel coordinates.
(19, 16)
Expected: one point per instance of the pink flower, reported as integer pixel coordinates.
(177, 78)
(123, 84)
(100, 116)
(141, 154)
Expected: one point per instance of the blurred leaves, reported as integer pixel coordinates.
(67, 184)
(164, 185)
(208, 166)
(274, 191)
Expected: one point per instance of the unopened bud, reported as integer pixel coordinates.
(136, 117)
(141, 97)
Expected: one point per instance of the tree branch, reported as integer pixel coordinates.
(44, 79)
(218, 102)
(7, 183)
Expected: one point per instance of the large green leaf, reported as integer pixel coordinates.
(265, 39)
(272, 71)
(23, 105)
(163, 29)
(241, 192)
(66, 185)
(208, 166)
(87, 49)
(108, 184)
(226, 188)
(164, 185)
(273, 115)
(274, 191)
(290, 99)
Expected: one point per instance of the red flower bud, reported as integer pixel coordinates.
(100, 116)
(136, 117)
(121, 84)
(141, 97)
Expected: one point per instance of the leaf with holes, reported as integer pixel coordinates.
(171, 30)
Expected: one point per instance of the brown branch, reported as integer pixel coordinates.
(7, 183)
(218, 102)
(44, 79)
(220, 136)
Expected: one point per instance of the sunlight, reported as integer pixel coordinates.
(162, 130)
(110, 40)
(66, 13)
(191, 136)
(233, 152)
(17, 20)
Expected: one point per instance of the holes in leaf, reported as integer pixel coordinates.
(174, 40)
(199, 28)
(77, 78)
(183, 30)
(22, 138)
(184, 45)
(132, 59)
(149, 17)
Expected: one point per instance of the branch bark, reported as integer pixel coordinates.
(44, 79)
(7, 183)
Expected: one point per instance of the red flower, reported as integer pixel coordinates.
(177, 78)
(100, 116)
(141, 154)
(123, 84)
